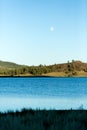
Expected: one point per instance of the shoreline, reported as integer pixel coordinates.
(43, 76)
(44, 120)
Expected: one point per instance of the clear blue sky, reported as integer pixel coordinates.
(37, 32)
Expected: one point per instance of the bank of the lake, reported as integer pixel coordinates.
(50, 74)
(44, 120)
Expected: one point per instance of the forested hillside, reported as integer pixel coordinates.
(73, 68)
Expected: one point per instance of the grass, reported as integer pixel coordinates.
(82, 74)
(55, 74)
(63, 74)
(44, 120)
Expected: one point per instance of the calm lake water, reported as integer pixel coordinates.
(43, 93)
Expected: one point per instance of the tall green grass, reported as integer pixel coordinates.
(44, 120)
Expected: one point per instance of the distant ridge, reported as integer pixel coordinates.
(6, 64)
(69, 69)
(9, 64)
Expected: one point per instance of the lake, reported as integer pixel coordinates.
(42, 93)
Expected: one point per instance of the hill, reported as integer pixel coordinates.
(5, 64)
(74, 68)
(69, 69)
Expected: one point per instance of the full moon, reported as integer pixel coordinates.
(51, 28)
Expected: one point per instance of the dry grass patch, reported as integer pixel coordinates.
(56, 74)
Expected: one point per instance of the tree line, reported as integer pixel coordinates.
(33, 70)
(70, 68)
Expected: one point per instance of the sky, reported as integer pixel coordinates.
(34, 32)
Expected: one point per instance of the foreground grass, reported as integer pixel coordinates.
(44, 120)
